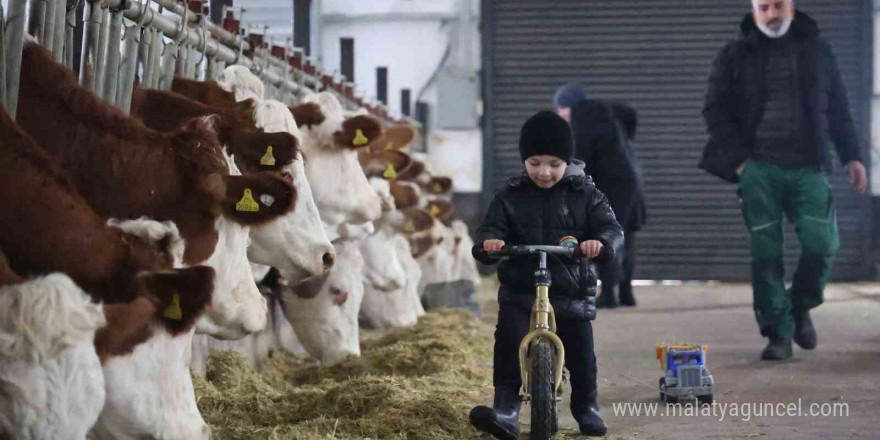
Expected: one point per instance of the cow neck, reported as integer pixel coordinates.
(120, 167)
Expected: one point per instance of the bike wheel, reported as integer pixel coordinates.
(543, 390)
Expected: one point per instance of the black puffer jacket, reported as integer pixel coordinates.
(523, 213)
(735, 100)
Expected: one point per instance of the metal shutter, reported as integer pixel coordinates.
(656, 55)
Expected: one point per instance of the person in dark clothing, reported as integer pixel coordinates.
(601, 134)
(551, 200)
(775, 100)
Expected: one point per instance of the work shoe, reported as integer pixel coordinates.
(626, 294)
(589, 420)
(777, 349)
(804, 332)
(502, 420)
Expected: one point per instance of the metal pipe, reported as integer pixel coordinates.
(69, 28)
(111, 75)
(15, 38)
(169, 59)
(36, 19)
(89, 60)
(180, 66)
(58, 31)
(48, 39)
(128, 68)
(2, 58)
(146, 56)
(101, 66)
(156, 56)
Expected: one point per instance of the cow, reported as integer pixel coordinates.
(126, 170)
(341, 189)
(324, 310)
(241, 82)
(207, 92)
(47, 227)
(390, 282)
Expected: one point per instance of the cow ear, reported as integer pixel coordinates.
(386, 164)
(400, 136)
(438, 185)
(404, 196)
(307, 115)
(414, 170)
(259, 151)
(420, 246)
(257, 198)
(441, 210)
(181, 296)
(413, 221)
(359, 132)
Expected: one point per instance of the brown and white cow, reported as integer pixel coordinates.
(46, 227)
(241, 82)
(207, 92)
(126, 170)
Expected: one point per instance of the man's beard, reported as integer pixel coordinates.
(786, 24)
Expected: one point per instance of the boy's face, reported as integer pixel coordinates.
(545, 170)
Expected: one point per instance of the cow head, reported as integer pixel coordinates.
(149, 387)
(399, 307)
(382, 187)
(296, 244)
(382, 268)
(436, 255)
(50, 375)
(324, 311)
(342, 192)
(239, 80)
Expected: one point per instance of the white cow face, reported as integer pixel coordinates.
(341, 189)
(240, 80)
(51, 384)
(464, 266)
(324, 311)
(237, 308)
(400, 306)
(383, 270)
(295, 244)
(382, 188)
(158, 401)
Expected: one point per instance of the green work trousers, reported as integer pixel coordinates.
(804, 197)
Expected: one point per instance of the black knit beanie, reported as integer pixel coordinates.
(546, 133)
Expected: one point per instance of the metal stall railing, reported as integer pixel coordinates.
(195, 47)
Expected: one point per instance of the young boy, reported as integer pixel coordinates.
(551, 200)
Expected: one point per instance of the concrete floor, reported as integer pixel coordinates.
(844, 369)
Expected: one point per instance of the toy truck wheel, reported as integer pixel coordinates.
(705, 400)
(664, 394)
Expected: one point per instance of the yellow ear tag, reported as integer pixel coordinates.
(409, 226)
(437, 188)
(173, 310)
(247, 203)
(389, 173)
(268, 159)
(434, 210)
(359, 138)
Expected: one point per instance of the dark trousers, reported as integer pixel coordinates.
(576, 335)
(629, 259)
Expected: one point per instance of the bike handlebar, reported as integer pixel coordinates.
(605, 255)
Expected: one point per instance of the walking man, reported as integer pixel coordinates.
(775, 100)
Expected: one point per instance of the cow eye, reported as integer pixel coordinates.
(335, 290)
(287, 177)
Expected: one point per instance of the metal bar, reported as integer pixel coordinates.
(89, 61)
(2, 57)
(111, 71)
(15, 38)
(179, 66)
(59, 32)
(146, 54)
(69, 29)
(101, 65)
(128, 68)
(156, 57)
(169, 60)
(48, 39)
(36, 18)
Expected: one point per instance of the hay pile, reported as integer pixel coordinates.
(414, 383)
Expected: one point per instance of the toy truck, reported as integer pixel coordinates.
(685, 373)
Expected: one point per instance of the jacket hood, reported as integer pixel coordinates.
(803, 27)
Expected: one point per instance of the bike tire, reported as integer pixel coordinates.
(544, 417)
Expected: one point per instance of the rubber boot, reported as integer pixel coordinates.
(589, 420)
(804, 332)
(626, 294)
(778, 349)
(502, 420)
(608, 298)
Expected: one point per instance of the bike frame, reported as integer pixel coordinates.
(543, 325)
